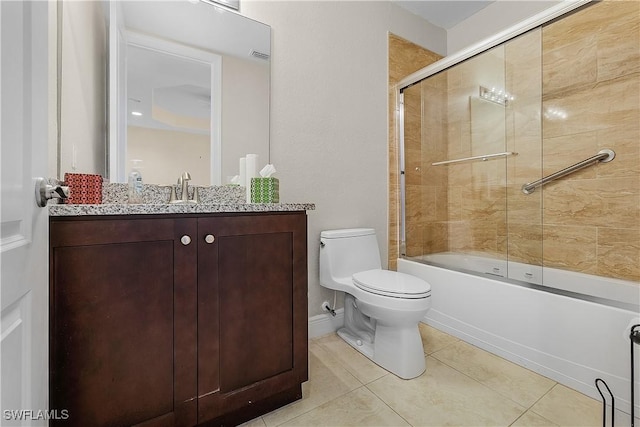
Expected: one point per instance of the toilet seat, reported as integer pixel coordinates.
(392, 284)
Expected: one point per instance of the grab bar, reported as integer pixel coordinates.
(471, 159)
(603, 156)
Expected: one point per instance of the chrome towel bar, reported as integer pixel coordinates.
(474, 158)
(603, 156)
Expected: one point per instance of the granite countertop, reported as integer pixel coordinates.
(214, 199)
(165, 208)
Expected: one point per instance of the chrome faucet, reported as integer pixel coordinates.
(183, 182)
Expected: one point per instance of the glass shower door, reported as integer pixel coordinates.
(472, 136)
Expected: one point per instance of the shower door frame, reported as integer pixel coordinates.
(449, 61)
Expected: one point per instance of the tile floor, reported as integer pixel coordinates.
(463, 386)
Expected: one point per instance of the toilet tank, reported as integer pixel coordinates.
(347, 251)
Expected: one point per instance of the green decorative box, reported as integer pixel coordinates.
(265, 190)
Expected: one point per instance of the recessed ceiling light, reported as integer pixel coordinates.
(136, 113)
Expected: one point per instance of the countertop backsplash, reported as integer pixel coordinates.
(117, 193)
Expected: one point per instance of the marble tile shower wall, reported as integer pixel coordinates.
(588, 222)
(591, 69)
(524, 136)
(404, 58)
(427, 208)
(476, 202)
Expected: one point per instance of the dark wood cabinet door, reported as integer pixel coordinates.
(123, 321)
(252, 313)
(149, 329)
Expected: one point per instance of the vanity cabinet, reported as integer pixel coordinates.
(177, 319)
(252, 313)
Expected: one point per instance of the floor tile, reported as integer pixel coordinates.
(355, 362)
(567, 407)
(443, 396)
(327, 380)
(510, 380)
(256, 422)
(433, 339)
(463, 386)
(531, 419)
(357, 408)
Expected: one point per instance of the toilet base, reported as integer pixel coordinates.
(397, 347)
(399, 350)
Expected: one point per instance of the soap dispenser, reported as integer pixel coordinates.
(135, 183)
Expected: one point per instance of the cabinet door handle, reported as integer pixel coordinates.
(185, 240)
(209, 238)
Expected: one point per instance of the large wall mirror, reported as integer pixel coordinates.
(189, 90)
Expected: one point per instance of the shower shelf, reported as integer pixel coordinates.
(483, 158)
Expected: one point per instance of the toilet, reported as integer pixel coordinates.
(382, 308)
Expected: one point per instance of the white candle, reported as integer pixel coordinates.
(252, 160)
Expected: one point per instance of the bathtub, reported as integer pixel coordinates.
(572, 335)
(616, 292)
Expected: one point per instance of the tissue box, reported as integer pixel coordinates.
(265, 190)
(84, 188)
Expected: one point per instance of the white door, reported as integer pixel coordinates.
(24, 133)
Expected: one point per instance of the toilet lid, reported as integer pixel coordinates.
(392, 283)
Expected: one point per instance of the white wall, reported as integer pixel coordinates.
(245, 99)
(84, 87)
(329, 118)
(494, 18)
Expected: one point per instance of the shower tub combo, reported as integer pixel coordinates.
(514, 205)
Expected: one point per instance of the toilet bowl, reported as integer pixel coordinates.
(382, 308)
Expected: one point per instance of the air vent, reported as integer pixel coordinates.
(259, 55)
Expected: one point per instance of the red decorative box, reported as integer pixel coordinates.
(84, 188)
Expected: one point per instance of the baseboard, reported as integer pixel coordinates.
(323, 324)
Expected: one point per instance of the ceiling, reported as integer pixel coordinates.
(444, 13)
